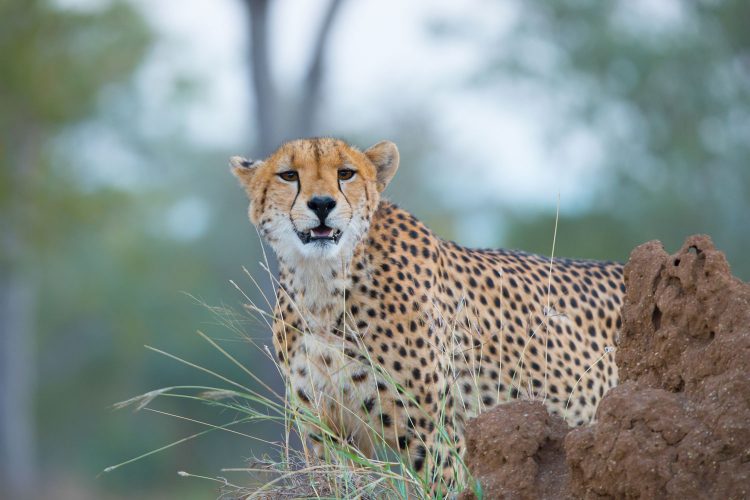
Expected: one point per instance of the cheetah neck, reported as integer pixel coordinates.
(318, 287)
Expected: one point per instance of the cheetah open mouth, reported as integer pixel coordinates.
(321, 233)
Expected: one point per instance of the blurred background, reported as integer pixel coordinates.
(119, 218)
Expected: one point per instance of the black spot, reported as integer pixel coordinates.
(385, 419)
(403, 442)
(303, 395)
(419, 456)
(368, 404)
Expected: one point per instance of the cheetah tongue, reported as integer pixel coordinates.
(321, 232)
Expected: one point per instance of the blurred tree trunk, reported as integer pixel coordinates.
(309, 104)
(275, 123)
(17, 335)
(16, 388)
(266, 108)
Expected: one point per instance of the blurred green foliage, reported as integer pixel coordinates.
(665, 89)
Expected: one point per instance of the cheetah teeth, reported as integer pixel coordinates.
(321, 233)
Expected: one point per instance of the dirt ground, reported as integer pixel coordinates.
(677, 426)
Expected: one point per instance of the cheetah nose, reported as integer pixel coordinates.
(322, 206)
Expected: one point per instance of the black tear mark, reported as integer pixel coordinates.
(263, 199)
(343, 163)
(299, 188)
(344, 195)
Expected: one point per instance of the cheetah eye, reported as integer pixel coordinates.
(346, 173)
(289, 175)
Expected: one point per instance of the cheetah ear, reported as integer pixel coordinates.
(244, 169)
(384, 155)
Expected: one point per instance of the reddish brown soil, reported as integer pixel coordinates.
(517, 452)
(678, 426)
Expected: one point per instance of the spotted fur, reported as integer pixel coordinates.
(395, 329)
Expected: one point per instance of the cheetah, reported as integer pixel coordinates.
(380, 324)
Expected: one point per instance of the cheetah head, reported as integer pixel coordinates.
(313, 199)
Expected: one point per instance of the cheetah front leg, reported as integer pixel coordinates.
(328, 435)
(443, 463)
(433, 447)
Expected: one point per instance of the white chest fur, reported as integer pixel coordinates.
(340, 389)
(325, 373)
(318, 289)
